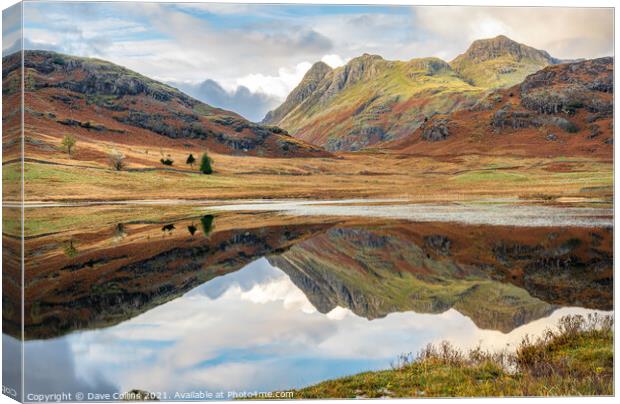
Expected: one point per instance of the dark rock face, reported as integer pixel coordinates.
(435, 130)
(595, 131)
(562, 123)
(88, 125)
(157, 124)
(569, 87)
(357, 139)
(506, 117)
(438, 243)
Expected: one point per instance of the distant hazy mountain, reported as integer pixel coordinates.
(250, 105)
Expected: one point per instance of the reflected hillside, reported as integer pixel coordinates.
(94, 279)
(104, 270)
(500, 277)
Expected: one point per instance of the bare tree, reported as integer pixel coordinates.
(117, 160)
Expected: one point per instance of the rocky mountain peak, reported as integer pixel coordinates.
(364, 61)
(317, 71)
(493, 48)
(499, 62)
(304, 89)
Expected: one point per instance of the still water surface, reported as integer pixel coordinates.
(244, 301)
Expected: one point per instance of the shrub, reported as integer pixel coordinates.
(205, 164)
(167, 161)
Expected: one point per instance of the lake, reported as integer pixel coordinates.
(275, 295)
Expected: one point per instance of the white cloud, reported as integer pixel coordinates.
(278, 85)
(334, 60)
(563, 32)
(268, 49)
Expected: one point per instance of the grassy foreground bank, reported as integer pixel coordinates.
(575, 359)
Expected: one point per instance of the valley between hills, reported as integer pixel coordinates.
(502, 120)
(144, 194)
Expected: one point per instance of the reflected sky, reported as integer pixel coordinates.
(249, 330)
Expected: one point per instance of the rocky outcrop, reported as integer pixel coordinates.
(357, 139)
(569, 87)
(509, 118)
(435, 130)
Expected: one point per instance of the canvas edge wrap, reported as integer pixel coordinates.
(12, 203)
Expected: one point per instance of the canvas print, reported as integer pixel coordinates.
(216, 201)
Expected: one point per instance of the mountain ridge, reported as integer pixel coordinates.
(371, 100)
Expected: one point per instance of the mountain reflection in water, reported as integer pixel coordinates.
(261, 301)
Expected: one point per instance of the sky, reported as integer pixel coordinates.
(249, 57)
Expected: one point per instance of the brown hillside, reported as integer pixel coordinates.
(562, 110)
(98, 101)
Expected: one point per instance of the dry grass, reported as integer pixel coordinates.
(422, 179)
(574, 359)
